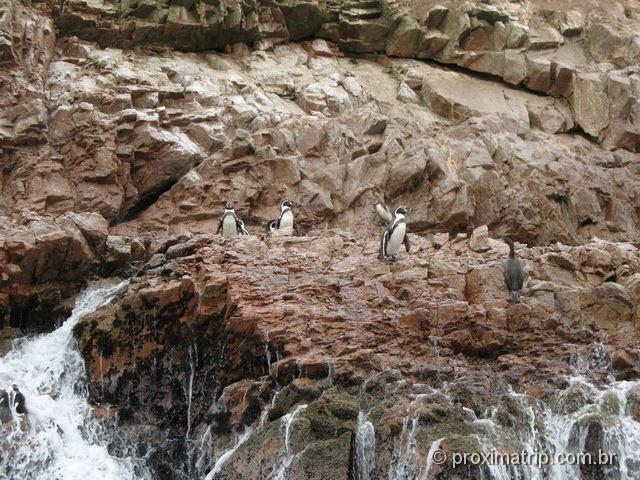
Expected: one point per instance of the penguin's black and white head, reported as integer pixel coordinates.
(287, 204)
(229, 206)
(402, 210)
(14, 387)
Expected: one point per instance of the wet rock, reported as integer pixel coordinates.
(141, 153)
(7, 336)
(5, 411)
(622, 359)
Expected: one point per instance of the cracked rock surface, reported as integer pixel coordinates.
(125, 125)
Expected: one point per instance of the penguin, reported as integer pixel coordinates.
(513, 272)
(230, 224)
(383, 211)
(271, 227)
(241, 228)
(285, 220)
(395, 235)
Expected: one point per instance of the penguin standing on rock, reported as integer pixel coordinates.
(241, 228)
(285, 220)
(383, 211)
(272, 226)
(395, 235)
(513, 272)
(230, 225)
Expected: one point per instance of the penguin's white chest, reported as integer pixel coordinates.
(286, 221)
(229, 227)
(396, 239)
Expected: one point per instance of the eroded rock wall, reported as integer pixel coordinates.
(338, 331)
(125, 126)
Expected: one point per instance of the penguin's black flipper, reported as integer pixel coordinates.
(407, 243)
(383, 240)
(220, 226)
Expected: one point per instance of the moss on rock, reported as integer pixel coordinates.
(325, 459)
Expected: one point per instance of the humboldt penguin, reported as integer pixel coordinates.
(395, 235)
(272, 226)
(230, 224)
(513, 272)
(241, 228)
(383, 211)
(285, 220)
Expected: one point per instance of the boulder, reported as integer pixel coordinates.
(589, 103)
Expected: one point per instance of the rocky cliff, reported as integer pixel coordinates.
(126, 125)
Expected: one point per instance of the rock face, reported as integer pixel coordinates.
(336, 330)
(125, 126)
(574, 51)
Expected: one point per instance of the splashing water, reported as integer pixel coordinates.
(287, 422)
(584, 411)
(365, 448)
(58, 438)
(267, 351)
(583, 420)
(246, 433)
(404, 461)
(193, 363)
(330, 372)
(204, 449)
(434, 447)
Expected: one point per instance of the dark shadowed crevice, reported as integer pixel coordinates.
(151, 198)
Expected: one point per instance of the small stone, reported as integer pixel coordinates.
(407, 95)
(321, 47)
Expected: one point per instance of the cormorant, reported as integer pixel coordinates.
(513, 272)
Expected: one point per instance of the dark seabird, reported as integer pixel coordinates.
(513, 272)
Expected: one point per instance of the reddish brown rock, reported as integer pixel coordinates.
(622, 359)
